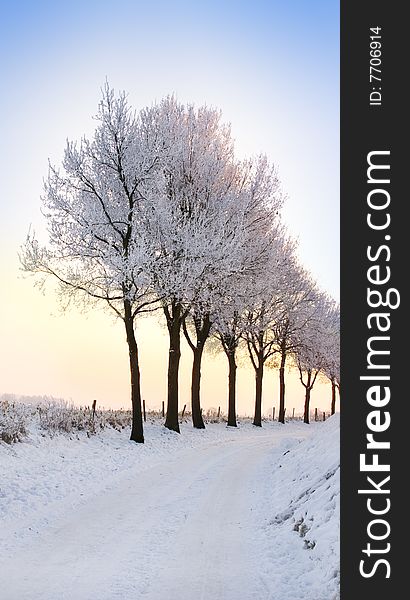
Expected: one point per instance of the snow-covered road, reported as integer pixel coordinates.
(185, 529)
(221, 514)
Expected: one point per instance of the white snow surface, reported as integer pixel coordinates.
(219, 514)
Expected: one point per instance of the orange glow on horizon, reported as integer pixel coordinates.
(83, 356)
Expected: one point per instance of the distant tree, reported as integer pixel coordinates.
(332, 361)
(229, 332)
(260, 344)
(260, 201)
(95, 209)
(295, 309)
(202, 326)
(310, 353)
(273, 285)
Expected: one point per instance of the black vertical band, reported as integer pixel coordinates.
(374, 272)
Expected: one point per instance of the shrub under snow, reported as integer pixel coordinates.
(21, 414)
(13, 421)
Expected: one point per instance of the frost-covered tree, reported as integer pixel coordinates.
(201, 327)
(229, 333)
(332, 353)
(191, 208)
(272, 287)
(294, 312)
(260, 236)
(310, 354)
(95, 208)
(245, 228)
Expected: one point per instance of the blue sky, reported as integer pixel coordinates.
(271, 67)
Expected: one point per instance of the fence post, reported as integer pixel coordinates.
(143, 410)
(315, 414)
(219, 411)
(324, 416)
(183, 411)
(93, 409)
(273, 414)
(163, 408)
(293, 413)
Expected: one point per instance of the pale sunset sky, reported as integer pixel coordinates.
(272, 67)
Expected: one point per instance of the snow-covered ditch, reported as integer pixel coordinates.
(289, 507)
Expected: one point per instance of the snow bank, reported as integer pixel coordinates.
(304, 528)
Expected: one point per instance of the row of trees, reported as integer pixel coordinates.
(155, 212)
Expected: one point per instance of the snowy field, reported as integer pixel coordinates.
(219, 514)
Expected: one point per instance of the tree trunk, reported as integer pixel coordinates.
(197, 419)
(281, 417)
(308, 388)
(333, 404)
(137, 429)
(232, 389)
(174, 322)
(202, 329)
(257, 420)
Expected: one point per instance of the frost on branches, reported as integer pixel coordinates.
(95, 208)
(155, 212)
